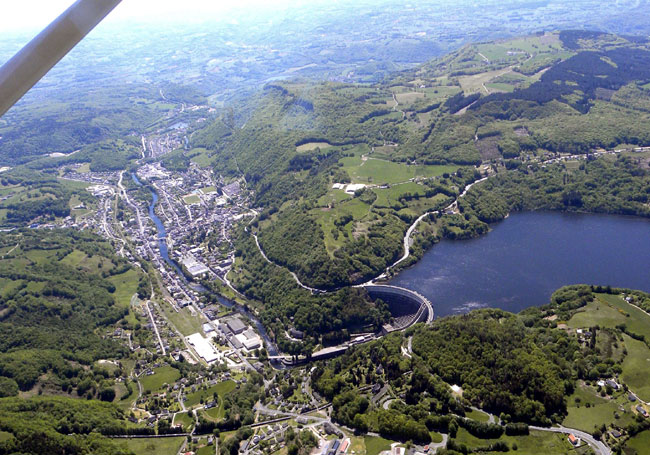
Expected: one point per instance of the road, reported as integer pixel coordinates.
(155, 328)
(434, 446)
(406, 243)
(11, 250)
(295, 277)
(599, 447)
(395, 108)
(144, 148)
(411, 229)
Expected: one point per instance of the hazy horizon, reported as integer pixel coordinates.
(34, 15)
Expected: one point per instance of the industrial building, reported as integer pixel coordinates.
(203, 347)
(235, 325)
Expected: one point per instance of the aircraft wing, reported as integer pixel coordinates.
(38, 57)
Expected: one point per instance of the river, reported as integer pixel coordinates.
(164, 253)
(160, 227)
(526, 257)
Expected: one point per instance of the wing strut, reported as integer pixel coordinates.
(34, 60)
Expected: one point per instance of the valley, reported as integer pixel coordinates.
(257, 282)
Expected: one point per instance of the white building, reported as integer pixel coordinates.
(354, 187)
(249, 339)
(203, 347)
(193, 266)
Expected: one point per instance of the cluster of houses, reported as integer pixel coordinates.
(273, 435)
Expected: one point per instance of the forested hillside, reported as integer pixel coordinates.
(411, 144)
(59, 425)
(61, 296)
(535, 367)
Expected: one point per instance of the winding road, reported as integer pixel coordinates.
(599, 447)
(406, 243)
(295, 277)
(411, 229)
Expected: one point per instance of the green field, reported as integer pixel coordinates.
(479, 416)
(76, 201)
(126, 285)
(205, 450)
(125, 403)
(184, 321)
(379, 171)
(191, 199)
(221, 389)
(537, 442)
(39, 256)
(333, 197)
(201, 156)
(185, 419)
(375, 444)
(525, 46)
(312, 146)
(600, 411)
(389, 196)
(4, 436)
(84, 168)
(640, 443)
(161, 376)
(154, 446)
(7, 286)
(609, 311)
(407, 98)
(326, 218)
(417, 207)
(636, 366)
(474, 83)
(500, 87)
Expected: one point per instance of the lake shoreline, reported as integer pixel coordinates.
(612, 230)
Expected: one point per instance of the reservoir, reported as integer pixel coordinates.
(526, 257)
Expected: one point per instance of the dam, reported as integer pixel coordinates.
(406, 307)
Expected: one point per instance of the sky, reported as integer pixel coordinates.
(27, 15)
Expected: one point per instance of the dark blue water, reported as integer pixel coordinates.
(528, 256)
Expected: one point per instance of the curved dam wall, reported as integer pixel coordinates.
(402, 302)
(407, 308)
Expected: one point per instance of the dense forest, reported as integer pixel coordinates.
(59, 425)
(325, 318)
(615, 185)
(56, 304)
(520, 368)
